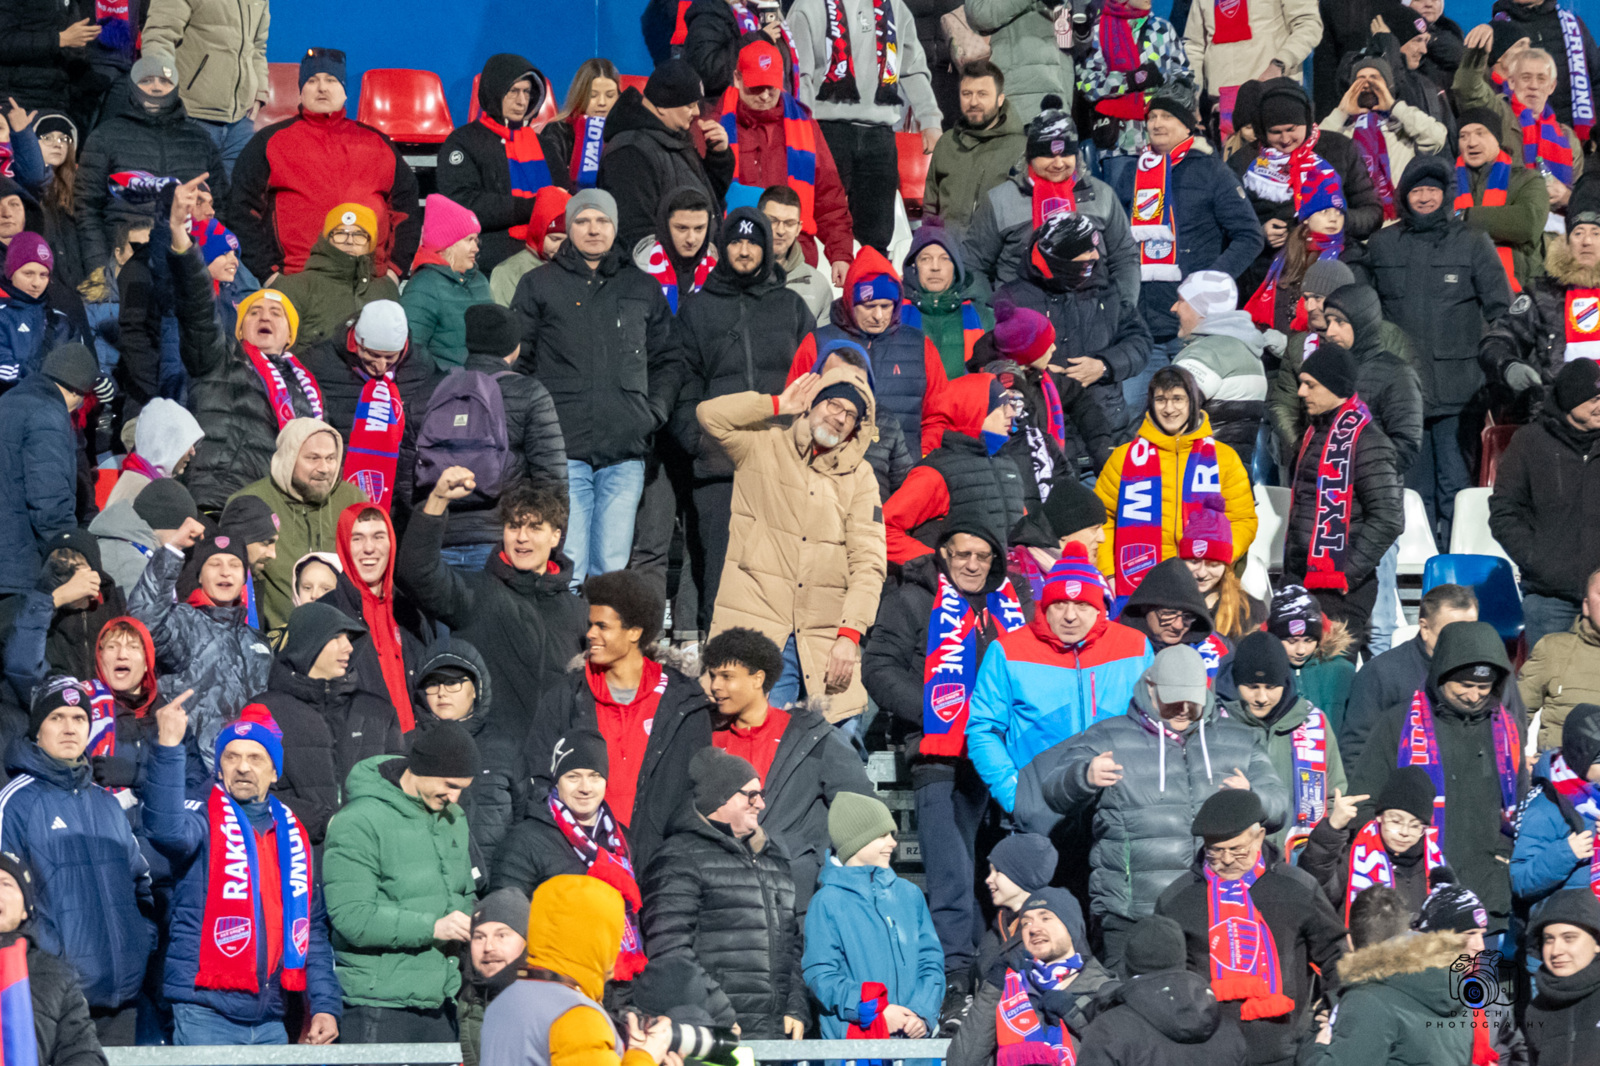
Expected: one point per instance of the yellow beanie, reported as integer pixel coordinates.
(352, 215)
(268, 294)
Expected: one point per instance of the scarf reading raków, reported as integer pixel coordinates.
(1585, 799)
(1370, 864)
(1330, 524)
(659, 266)
(588, 140)
(604, 850)
(1419, 746)
(951, 664)
(1018, 1023)
(839, 84)
(1137, 537)
(236, 911)
(1308, 765)
(1367, 133)
(1244, 956)
(1154, 226)
(279, 395)
(525, 158)
(373, 453)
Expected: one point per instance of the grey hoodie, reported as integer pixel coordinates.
(122, 534)
(1224, 355)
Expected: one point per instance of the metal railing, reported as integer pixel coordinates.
(444, 1054)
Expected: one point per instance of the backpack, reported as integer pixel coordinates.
(465, 425)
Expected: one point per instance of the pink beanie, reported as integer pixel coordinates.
(28, 248)
(1208, 534)
(1021, 333)
(444, 222)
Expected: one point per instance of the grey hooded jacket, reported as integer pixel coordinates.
(122, 534)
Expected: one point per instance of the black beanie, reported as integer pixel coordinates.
(1051, 132)
(310, 627)
(165, 504)
(1577, 383)
(79, 540)
(220, 544)
(1072, 506)
(53, 693)
(1155, 944)
(1569, 906)
(1294, 613)
(1227, 814)
(492, 330)
(1580, 738)
(249, 519)
(844, 390)
(508, 906)
(1177, 98)
(20, 873)
(668, 982)
(1334, 368)
(73, 366)
(443, 749)
(581, 749)
(1260, 660)
(673, 84)
(717, 776)
(1408, 789)
(1283, 103)
(1451, 908)
(1027, 859)
(1481, 116)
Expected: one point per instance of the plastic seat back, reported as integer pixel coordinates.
(1490, 577)
(408, 105)
(283, 94)
(913, 170)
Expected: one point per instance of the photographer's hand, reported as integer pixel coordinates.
(654, 1041)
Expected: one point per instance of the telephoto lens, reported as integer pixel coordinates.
(714, 1045)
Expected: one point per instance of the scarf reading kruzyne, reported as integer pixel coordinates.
(1244, 956)
(839, 84)
(604, 850)
(951, 664)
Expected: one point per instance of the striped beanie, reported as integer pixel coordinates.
(1074, 579)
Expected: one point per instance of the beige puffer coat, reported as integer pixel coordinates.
(806, 550)
(221, 50)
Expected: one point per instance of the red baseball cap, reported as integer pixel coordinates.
(761, 65)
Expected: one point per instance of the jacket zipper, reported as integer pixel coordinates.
(197, 71)
(238, 66)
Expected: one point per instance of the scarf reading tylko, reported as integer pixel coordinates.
(1117, 42)
(604, 851)
(659, 266)
(799, 151)
(1370, 864)
(1494, 195)
(1308, 765)
(1585, 799)
(373, 452)
(1232, 21)
(1018, 1021)
(1419, 746)
(1051, 198)
(1244, 955)
(1263, 306)
(951, 665)
(839, 84)
(237, 910)
(1583, 106)
(1154, 226)
(524, 158)
(1330, 524)
(1582, 322)
(588, 140)
(279, 394)
(1367, 133)
(1137, 537)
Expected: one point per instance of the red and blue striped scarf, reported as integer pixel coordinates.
(525, 158)
(1367, 133)
(951, 665)
(1585, 799)
(659, 266)
(971, 324)
(1494, 195)
(1244, 956)
(1055, 416)
(800, 151)
(1017, 1022)
(1419, 746)
(1139, 522)
(588, 140)
(1370, 864)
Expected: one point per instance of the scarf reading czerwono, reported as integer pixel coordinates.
(839, 84)
(1419, 746)
(951, 664)
(1137, 536)
(279, 395)
(237, 907)
(1335, 497)
(1018, 1021)
(1585, 799)
(1369, 862)
(1154, 226)
(604, 851)
(1244, 960)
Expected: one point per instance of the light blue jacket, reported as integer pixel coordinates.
(1542, 861)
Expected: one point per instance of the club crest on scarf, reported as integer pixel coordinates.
(1583, 324)
(951, 667)
(231, 935)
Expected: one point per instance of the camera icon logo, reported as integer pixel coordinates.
(1475, 980)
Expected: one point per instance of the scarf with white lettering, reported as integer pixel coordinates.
(373, 452)
(1370, 864)
(951, 666)
(1154, 226)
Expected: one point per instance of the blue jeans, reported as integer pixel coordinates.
(791, 683)
(230, 139)
(1383, 615)
(1440, 471)
(468, 557)
(194, 1024)
(602, 504)
(1543, 615)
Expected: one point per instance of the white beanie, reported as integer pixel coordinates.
(1209, 292)
(382, 327)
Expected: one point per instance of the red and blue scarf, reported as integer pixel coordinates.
(1212, 651)
(1263, 306)
(604, 851)
(1367, 133)
(1330, 525)
(951, 665)
(1117, 42)
(971, 324)
(799, 151)
(278, 394)
(1370, 864)
(1494, 195)
(1137, 538)
(659, 266)
(373, 454)
(870, 1023)
(1018, 1026)
(1244, 956)
(525, 159)
(1308, 765)
(1585, 799)
(588, 140)
(1583, 107)
(839, 83)
(1543, 139)
(1154, 226)
(1055, 415)
(1419, 746)
(236, 912)
(1581, 322)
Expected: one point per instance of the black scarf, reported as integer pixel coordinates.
(1556, 993)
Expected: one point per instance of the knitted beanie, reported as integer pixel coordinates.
(1074, 579)
(1208, 534)
(165, 504)
(28, 247)
(1334, 368)
(352, 214)
(1208, 292)
(255, 723)
(1021, 333)
(1027, 859)
(444, 222)
(1155, 944)
(854, 821)
(1260, 660)
(442, 749)
(716, 776)
(1408, 789)
(1294, 612)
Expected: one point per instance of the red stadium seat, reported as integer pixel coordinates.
(1495, 438)
(635, 81)
(913, 170)
(408, 105)
(283, 94)
(473, 110)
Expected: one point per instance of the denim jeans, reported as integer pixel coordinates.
(1384, 620)
(1440, 472)
(194, 1024)
(468, 557)
(791, 684)
(602, 506)
(230, 139)
(1543, 615)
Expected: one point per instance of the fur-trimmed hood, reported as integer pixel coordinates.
(1559, 265)
(1336, 639)
(1402, 955)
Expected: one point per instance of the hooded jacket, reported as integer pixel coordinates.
(436, 301)
(683, 266)
(968, 162)
(1169, 584)
(30, 328)
(1224, 356)
(302, 526)
(331, 291)
(1397, 1004)
(1441, 281)
(868, 924)
(643, 161)
(1534, 331)
(1168, 1016)
(92, 883)
(473, 166)
(1140, 825)
(737, 333)
(38, 476)
(805, 540)
(942, 315)
(1472, 841)
(728, 904)
(959, 474)
(1562, 671)
(1542, 861)
(976, 1043)
(907, 371)
(1386, 380)
(1545, 510)
(391, 868)
(1277, 729)
(163, 435)
(1174, 452)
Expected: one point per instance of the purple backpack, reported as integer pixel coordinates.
(465, 425)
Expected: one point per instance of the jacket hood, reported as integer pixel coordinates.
(932, 231)
(848, 455)
(670, 204)
(1178, 1004)
(1420, 167)
(1169, 584)
(367, 781)
(1558, 263)
(964, 403)
(121, 522)
(164, 434)
(1360, 304)
(1416, 965)
(868, 262)
(861, 881)
(576, 930)
(1336, 640)
(1237, 325)
(327, 260)
(744, 224)
(25, 757)
(346, 527)
(463, 656)
(1009, 125)
(290, 439)
(1464, 643)
(148, 683)
(500, 73)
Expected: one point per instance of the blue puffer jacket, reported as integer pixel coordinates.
(29, 327)
(38, 478)
(180, 830)
(867, 924)
(1542, 861)
(92, 885)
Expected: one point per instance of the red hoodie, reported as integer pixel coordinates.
(377, 611)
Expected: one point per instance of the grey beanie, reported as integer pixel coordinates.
(717, 775)
(607, 204)
(1326, 275)
(509, 906)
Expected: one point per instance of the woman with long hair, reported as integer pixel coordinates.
(1207, 548)
(581, 121)
(1318, 233)
(45, 148)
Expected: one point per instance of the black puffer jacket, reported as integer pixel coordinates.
(1169, 1017)
(972, 480)
(328, 727)
(1387, 383)
(472, 162)
(1440, 281)
(729, 905)
(643, 161)
(1093, 321)
(34, 67)
(1535, 330)
(65, 1033)
(739, 334)
(1545, 510)
(226, 394)
(604, 343)
(1087, 442)
(167, 144)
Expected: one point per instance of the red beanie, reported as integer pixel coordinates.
(1020, 333)
(1208, 534)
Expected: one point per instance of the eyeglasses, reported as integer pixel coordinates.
(972, 557)
(1167, 616)
(1398, 822)
(55, 138)
(751, 795)
(1014, 400)
(835, 408)
(1225, 853)
(349, 236)
(450, 687)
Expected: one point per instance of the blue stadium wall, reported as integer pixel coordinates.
(452, 37)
